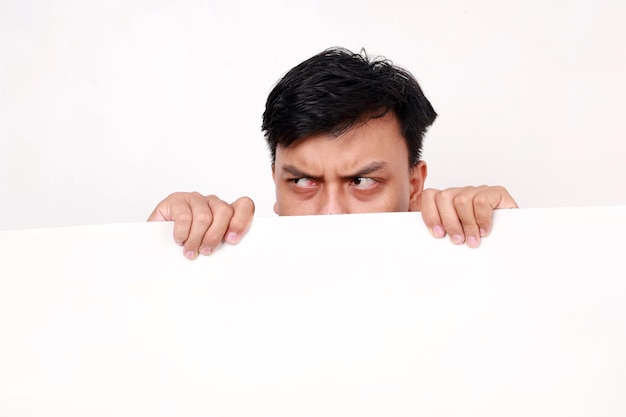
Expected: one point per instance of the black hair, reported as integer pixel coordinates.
(334, 90)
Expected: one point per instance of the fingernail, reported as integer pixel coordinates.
(231, 237)
(206, 251)
(190, 255)
(483, 233)
(472, 242)
(179, 243)
(438, 231)
(457, 239)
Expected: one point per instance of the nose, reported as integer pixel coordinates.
(333, 202)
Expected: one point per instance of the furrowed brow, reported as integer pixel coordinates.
(369, 169)
(295, 172)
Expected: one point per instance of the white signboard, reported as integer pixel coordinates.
(350, 315)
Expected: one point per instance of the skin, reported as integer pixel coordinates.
(364, 170)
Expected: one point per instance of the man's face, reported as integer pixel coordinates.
(365, 170)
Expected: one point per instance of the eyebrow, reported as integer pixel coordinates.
(292, 170)
(369, 169)
(366, 170)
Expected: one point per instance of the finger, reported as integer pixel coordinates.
(178, 207)
(222, 213)
(158, 216)
(175, 207)
(241, 220)
(162, 212)
(201, 220)
(448, 214)
(430, 213)
(464, 204)
(485, 202)
(182, 209)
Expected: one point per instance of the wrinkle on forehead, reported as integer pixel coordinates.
(325, 159)
(373, 141)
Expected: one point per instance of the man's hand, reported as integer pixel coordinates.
(202, 223)
(464, 214)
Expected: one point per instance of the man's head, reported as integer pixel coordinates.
(337, 125)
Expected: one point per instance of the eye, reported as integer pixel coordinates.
(364, 183)
(303, 182)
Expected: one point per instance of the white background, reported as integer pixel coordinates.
(107, 107)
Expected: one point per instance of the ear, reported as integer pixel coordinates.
(417, 177)
(274, 178)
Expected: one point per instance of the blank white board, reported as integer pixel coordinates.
(362, 315)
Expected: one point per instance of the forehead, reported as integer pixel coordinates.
(377, 139)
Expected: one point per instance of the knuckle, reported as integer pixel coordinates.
(223, 210)
(443, 197)
(203, 217)
(184, 217)
(209, 197)
(481, 200)
(237, 224)
(249, 202)
(211, 241)
(178, 195)
(243, 205)
(470, 227)
(462, 200)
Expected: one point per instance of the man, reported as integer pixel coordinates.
(345, 135)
